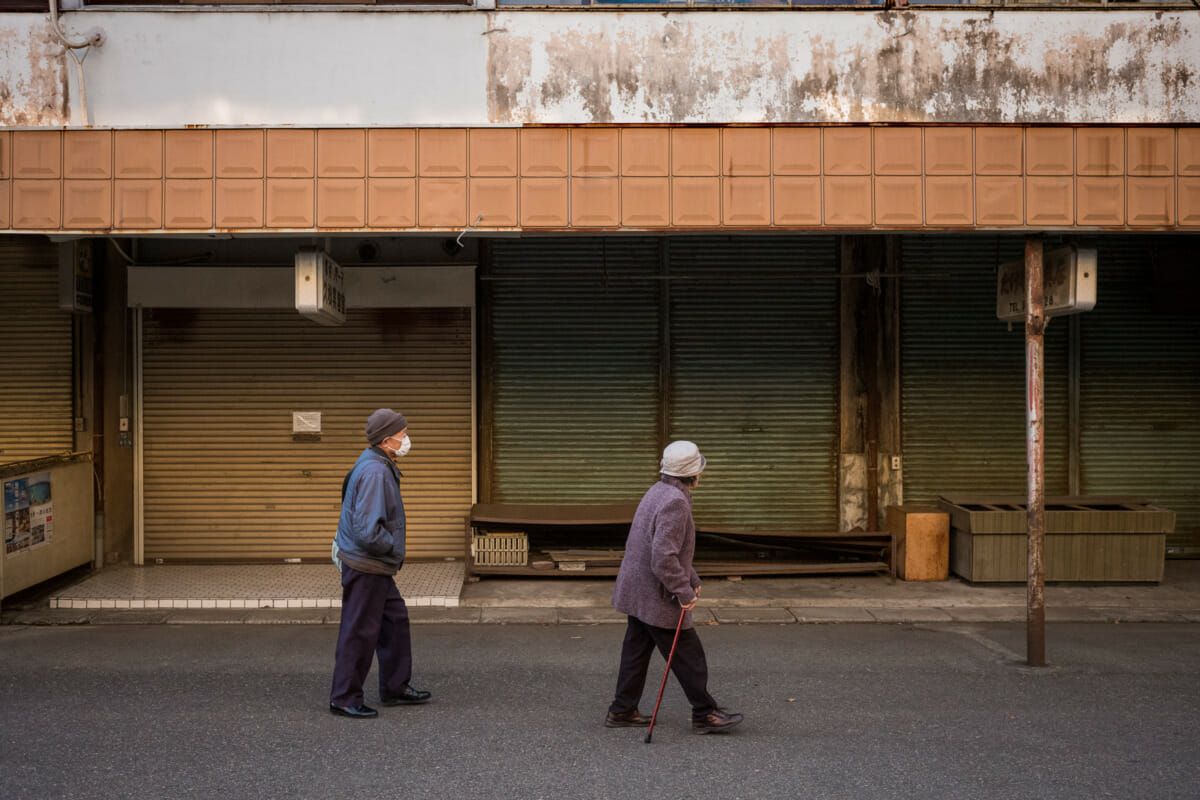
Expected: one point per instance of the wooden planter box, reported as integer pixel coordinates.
(1092, 539)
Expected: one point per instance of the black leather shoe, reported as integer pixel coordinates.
(408, 697)
(715, 721)
(626, 719)
(354, 712)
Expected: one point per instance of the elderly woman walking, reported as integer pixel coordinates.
(657, 583)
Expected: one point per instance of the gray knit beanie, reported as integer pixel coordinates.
(384, 423)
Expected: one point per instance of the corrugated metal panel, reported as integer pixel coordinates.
(223, 477)
(754, 376)
(572, 381)
(1140, 390)
(963, 374)
(35, 353)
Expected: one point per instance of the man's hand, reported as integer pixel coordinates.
(689, 606)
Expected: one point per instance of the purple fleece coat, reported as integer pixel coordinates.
(656, 575)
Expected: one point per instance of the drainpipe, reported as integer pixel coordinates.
(95, 38)
(98, 557)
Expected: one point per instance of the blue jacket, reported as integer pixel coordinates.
(370, 534)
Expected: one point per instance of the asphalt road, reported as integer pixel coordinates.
(832, 711)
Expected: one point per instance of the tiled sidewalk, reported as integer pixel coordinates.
(436, 583)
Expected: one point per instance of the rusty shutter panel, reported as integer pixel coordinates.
(963, 374)
(1140, 389)
(754, 377)
(35, 353)
(224, 478)
(571, 385)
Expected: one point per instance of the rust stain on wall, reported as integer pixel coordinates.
(37, 94)
(508, 61)
(874, 66)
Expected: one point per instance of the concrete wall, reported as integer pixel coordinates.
(33, 72)
(527, 67)
(71, 542)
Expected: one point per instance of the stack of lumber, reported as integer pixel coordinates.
(580, 560)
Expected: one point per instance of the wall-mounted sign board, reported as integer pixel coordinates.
(1068, 277)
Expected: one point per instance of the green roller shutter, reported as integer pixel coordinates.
(600, 351)
(1140, 390)
(571, 375)
(35, 353)
(754, 377)
(963, 374)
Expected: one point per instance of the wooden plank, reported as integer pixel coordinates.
(1104, 500)
(792, 534)
(710, 569)
(585, 555)
(510, 514)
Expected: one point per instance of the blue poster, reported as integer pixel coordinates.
(28, 513)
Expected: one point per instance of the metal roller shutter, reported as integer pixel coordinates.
(224, 477)
(963, 375)
(35, 353)
(1140, 391)
(572, 378)
(603, 350)
(754, 376)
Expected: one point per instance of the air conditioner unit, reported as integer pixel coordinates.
(320, 287)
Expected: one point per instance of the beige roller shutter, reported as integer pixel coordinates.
(35, 353)
(225, 478)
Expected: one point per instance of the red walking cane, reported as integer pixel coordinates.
(663, 685)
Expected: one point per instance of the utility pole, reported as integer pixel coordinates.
(1035, 447)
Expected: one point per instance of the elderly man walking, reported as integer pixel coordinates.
(369, 550)
(656, 583)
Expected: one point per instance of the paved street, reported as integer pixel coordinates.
(832, 711)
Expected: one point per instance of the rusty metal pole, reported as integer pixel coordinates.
(1035, 446)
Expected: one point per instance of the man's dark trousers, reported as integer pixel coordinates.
(689, 665)
(374, 620)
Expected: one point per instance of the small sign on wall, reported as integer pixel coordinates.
(306, 424)
(75, 276)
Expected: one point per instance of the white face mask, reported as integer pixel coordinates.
(405, 446)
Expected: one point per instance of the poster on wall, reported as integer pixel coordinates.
(28, 514)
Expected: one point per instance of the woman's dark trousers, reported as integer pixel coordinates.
(689, 665)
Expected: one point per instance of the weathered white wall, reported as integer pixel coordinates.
(162, 69)
(33, 72)
(862, 66)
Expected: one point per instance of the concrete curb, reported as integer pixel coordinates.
(573, 615)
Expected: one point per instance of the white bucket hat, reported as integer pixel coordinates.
(682, 459)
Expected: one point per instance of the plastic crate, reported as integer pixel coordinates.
(500, 549)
